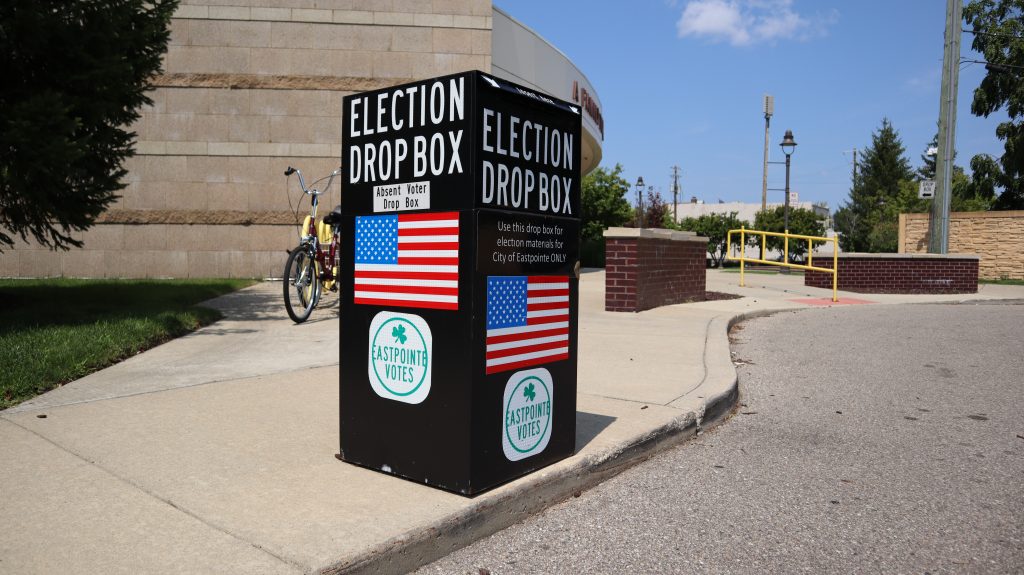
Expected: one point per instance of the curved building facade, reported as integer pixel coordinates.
(250, 87)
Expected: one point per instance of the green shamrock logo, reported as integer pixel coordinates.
(529, 392)
(398, 332)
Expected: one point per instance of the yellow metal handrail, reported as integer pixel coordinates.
(743, 259)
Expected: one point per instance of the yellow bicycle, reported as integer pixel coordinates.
(313, 265)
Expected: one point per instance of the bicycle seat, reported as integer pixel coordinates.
(334, 217)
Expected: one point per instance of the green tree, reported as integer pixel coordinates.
(715, 227)
(883, 234)
(74, 76)
(998, 27)
(657, 213)
(603, 194)
(927, 169)
(980, 192)
(970, 194)
(604, 202)
(801, 221)
(883, 172)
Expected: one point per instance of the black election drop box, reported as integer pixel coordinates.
(459, 289)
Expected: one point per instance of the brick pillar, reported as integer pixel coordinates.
(620, 271)
(649, 268)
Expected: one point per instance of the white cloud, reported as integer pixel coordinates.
(715, 18)
(744, 22)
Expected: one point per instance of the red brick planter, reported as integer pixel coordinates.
(899, 273)
(647, 268)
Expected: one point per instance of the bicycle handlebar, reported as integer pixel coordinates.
(302, 182)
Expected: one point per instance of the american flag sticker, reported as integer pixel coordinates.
(408, 260)
(527, 321)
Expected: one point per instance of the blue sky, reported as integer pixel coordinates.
(682, 82)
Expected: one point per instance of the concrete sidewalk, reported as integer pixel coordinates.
(214, 453)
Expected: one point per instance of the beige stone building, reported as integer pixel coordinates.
(253, 86)
(998, 237)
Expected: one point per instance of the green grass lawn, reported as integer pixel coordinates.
(53, 331)
(761, 271)
(1004, 282)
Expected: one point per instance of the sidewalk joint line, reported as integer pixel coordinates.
(16, 409)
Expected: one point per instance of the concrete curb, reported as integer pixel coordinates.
(555, 484)
(529, 497)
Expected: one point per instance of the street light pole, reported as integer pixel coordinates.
(640, 202)
(788, 145)
(785, 211)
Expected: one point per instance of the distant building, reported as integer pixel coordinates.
(746, 211)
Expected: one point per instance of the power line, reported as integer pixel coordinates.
(993, 64)
(995, 34)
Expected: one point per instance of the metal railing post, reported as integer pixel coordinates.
(835, 268)
(807, 265)
(743, 253)
(785, 249)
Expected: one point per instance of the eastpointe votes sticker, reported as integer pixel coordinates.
(400, 355)
(526, 413)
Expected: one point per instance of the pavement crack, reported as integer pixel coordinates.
(703, 362)
(622, 399)
(166, 501)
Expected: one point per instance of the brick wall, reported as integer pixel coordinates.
(998, 237)
(645, 269)
(899, 273)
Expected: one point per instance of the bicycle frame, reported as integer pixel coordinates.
(325, 259)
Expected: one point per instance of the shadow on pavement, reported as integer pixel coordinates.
(589, 426)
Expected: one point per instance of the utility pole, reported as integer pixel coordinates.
(938, 221)
(675, 192)
(769, 109)
(855, 167)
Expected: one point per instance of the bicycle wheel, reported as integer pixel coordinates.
(301, 285)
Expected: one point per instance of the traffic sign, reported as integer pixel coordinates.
(926, 189)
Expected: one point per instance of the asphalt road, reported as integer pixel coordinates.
(870, 439)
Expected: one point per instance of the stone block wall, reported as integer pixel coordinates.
(998, 237)
(647, 268)
(899, 273)
(250, 87)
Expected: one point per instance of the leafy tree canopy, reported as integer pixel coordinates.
(970, 194)
(801, 221)
(998, 27)
(715, 227)
(979, 193)
(604, 201)
(74, 76)
(657, 213)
